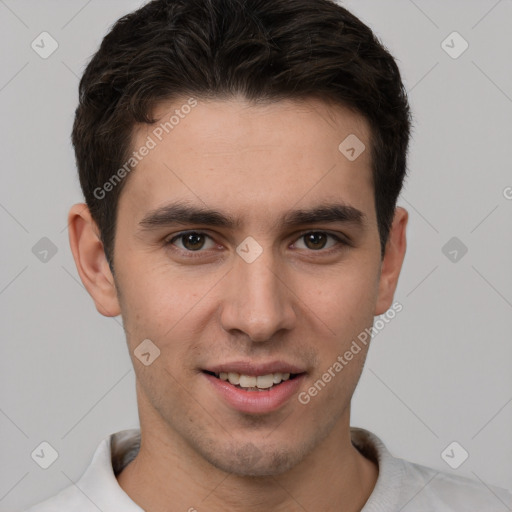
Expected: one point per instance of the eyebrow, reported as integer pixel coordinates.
(185, 214)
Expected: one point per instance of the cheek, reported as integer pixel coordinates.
(343, 299)
(165, 305)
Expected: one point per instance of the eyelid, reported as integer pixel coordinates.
(169, 241)
(341, 240)
(339, 237)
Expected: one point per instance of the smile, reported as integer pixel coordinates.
(263, 392)
(254, 382)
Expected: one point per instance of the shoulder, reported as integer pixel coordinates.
(445, 491)
(97, 488)
(411, 487)
(69, 499)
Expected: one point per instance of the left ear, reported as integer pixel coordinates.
(392, 261)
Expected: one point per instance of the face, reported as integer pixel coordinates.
(253, 290)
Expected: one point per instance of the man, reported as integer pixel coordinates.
(241, 163)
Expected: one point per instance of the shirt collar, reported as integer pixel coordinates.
(386, 493)
(100, 485)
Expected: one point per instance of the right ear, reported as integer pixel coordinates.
(90, 260)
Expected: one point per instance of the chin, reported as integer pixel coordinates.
(249, 460)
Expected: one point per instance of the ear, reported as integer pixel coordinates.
(392, 261)
(90, 260)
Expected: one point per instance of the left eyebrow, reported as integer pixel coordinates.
(328, 213)
(185, 214)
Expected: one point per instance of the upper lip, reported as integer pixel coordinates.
(253, 369)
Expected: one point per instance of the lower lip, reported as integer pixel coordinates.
(256, 402)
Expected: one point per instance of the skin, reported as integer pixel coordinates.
(296, 302)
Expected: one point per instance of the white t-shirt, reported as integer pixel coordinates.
(401, 485)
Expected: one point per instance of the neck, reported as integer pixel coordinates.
(170, 476)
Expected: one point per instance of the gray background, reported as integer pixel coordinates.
(439, 372)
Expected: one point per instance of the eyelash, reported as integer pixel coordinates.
(341, 243)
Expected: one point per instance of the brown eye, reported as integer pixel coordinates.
(317, 240)
(191, 241)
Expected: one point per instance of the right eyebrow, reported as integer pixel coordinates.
(181, 213)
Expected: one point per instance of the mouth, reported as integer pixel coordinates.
(255, 388)
(257, 383)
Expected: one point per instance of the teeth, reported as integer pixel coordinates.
(247, 381)
(265, 381)
(278, 377)
(251, 381)
(234, 378)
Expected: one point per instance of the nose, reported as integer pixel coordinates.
(258, 300)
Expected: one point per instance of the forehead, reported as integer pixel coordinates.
(240, 155)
